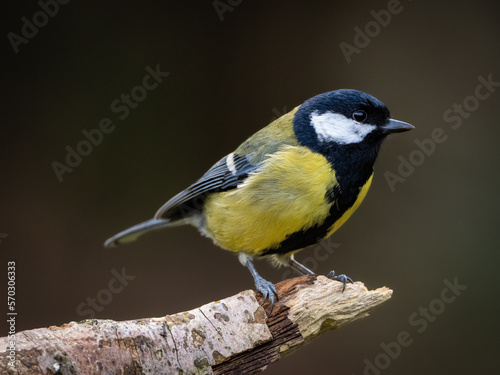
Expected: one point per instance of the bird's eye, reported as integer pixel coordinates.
(359, 116)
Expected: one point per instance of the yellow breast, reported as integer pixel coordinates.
(287, 195)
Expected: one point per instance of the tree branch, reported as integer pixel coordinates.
(230, 336)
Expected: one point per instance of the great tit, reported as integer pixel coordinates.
(288, 186)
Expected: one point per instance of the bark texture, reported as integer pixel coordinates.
(231, 336)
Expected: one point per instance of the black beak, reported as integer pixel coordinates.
(395, 126)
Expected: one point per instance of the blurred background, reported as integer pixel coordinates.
(234, 66)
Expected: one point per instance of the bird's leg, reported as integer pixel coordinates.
(267, 288)
(303, 270)
(299, 267)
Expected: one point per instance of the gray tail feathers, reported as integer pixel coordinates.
(133, 233)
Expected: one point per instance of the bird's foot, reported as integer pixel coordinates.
(342, 278)
(268, 291)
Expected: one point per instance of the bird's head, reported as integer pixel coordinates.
(344, 117)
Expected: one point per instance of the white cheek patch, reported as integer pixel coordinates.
(335, 127)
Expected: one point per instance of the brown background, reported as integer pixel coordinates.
(227, 80)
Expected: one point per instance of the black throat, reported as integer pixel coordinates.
(352, 163)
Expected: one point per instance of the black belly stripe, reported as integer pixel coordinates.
(313, 235)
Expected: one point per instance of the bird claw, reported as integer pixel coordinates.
(268, 291)
(342, 278)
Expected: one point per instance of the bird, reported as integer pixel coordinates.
(288, 186)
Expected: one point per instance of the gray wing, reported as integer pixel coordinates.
(224, 175)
